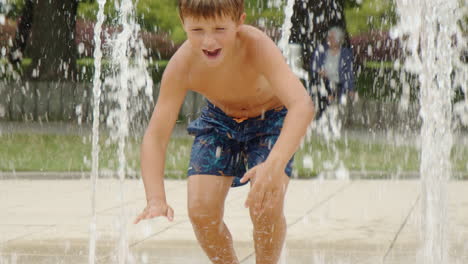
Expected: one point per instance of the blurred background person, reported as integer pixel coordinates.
(331, 71)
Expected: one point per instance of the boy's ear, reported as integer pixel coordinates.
(181, 19)
(182, 23)
(242, 19)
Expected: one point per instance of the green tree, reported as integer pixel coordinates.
(162, 17)
(370, 15)
(45, 33)
(153, 16)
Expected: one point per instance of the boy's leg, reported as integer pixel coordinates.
(206, 196)
(270, 229)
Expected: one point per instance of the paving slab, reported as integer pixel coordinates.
(410, 242)
(329, 221)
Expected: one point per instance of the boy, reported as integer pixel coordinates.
(248, 86)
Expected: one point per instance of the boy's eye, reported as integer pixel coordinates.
(220, 28)
(196, 29)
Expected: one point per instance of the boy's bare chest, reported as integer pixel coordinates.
(239, 96)
(239, 88)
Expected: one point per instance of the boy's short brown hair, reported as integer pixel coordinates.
(211, 8)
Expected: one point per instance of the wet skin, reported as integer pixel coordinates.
(240, 70)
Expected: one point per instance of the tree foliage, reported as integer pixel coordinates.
(162, 16)
(369, 15)
(12, 8)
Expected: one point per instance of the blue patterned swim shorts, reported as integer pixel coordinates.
(226, 147)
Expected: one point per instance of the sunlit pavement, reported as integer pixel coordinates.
(330, 221)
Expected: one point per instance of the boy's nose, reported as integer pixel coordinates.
(209, 42)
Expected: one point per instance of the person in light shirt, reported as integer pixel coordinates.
(331, 68)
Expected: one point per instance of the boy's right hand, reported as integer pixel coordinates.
(155, 209)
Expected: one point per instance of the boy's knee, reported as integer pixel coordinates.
(203, 214)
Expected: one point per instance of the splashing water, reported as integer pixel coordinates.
(96, 113)
(126, 86)
(433, 41)
(291, 51)
(129, 92)
(329, 126)
(286, 28)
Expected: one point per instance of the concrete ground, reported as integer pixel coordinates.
(329, 221)
(45, 217)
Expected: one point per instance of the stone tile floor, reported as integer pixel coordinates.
(329, 221)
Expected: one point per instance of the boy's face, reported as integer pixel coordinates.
(213, 38)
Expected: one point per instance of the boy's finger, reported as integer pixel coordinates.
(259, 200)
(251, 198)
(170, 214)
(248, 175)
(268, 201)
(146, 217)
(248, 201)
(244, 178)
(156, 214)
(138, 219)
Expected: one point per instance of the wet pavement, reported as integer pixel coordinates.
(329, 221)
(45, 217)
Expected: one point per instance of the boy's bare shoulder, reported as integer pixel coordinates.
(179, 64)
(251, 33)
(255, 41)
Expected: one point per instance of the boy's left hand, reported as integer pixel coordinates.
(268, 188)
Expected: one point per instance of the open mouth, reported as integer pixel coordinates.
(213, 53)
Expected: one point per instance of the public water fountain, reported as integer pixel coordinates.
(128, 91)
(431, 33)
(436, 27)
(95, 147)
(434, 43)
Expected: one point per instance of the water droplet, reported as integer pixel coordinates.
(81, 48)
(144, 258)
(369, 50)
(35, 73)
(307, 162)
(218, 152)
(2, 111)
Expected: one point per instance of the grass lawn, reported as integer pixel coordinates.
(59, 153)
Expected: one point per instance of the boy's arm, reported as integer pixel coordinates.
(268, 186)
(157, 135)
(292, 94)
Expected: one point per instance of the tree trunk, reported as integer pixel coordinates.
(311, 21)
(52, 47)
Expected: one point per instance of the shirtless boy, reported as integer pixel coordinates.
(257, 114)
